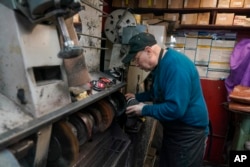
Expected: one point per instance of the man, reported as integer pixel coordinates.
(178, 101)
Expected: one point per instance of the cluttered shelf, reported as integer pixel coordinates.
(213, 27)
(185, 10)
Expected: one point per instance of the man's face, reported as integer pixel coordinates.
(142, 60)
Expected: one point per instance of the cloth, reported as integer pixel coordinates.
(180, 96)
(239, 66)
(182, 146)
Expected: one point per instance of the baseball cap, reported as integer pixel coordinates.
(137, 43)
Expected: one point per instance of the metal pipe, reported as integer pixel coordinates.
(91, 36)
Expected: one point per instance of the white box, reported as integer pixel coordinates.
(190, 53)
(191, 43)
(202, 71)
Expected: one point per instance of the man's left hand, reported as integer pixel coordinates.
(135, 110)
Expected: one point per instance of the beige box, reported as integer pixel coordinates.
(223, 4)
(224, 18)
(220, 54)
(191, 3)
(236, 3)
(239, 20)
(202, 71)
(175, 4)
(147, 16)
(223, 43)
(125, 3)
(202, 54)
(171, 16)
(246, 4)
(190, 18)
(159, 4)
(190, 53)
(203, 18)
(208, 3)
(158, 17)
(132, 78)
(191, 43)
(217, 74)
(219, 65)
(76, 18)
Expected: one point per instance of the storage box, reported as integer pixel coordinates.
(223, 4)
(202, 55)
(190, 18)
(202, 71)
(236, 3)
(175, 4)
(190, 53)
(246, 4)
(160, 4)
(171, 16)
(239, 20)
(125, 3)
(203, 18)
(76, 18)
(208, 4)
(147, 16)
(191, 3)
(224, 18)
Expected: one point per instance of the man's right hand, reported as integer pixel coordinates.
(129, 95)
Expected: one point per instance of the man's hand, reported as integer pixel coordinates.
(135, 110)
(129, 96)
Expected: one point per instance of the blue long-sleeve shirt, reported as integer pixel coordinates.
(177, 85)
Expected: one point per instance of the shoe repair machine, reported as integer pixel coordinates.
(40, 125)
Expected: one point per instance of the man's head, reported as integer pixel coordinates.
(138, 43)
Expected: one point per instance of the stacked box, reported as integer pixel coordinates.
(157, 4)
(223, 4)
(125, 3)
(224, 19)
(190, 18)
(239, 20)
(203, 18)
(221, 51)
(175, 4)
(246, 4)
(191, 3)
(171, 16)
(208, 4)
(203, 51)
(236, 3)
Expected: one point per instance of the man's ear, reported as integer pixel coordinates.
(148, 48)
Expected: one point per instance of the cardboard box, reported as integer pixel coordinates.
(208, 4)
(203, 18)
(158, 4)
(175, 4)
(223, 4)
(217, 74)
(202, 71)
(239, 20)
(76, 18)
(224, 19)
(191, 3)
(147, 16)
(236, 3)
(220, 54)
(191, 43)
(190, 53)
(246, 4)
(171, 16)
(190, 18)
(125, 3)
(202, 54)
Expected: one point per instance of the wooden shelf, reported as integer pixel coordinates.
(214, 27)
